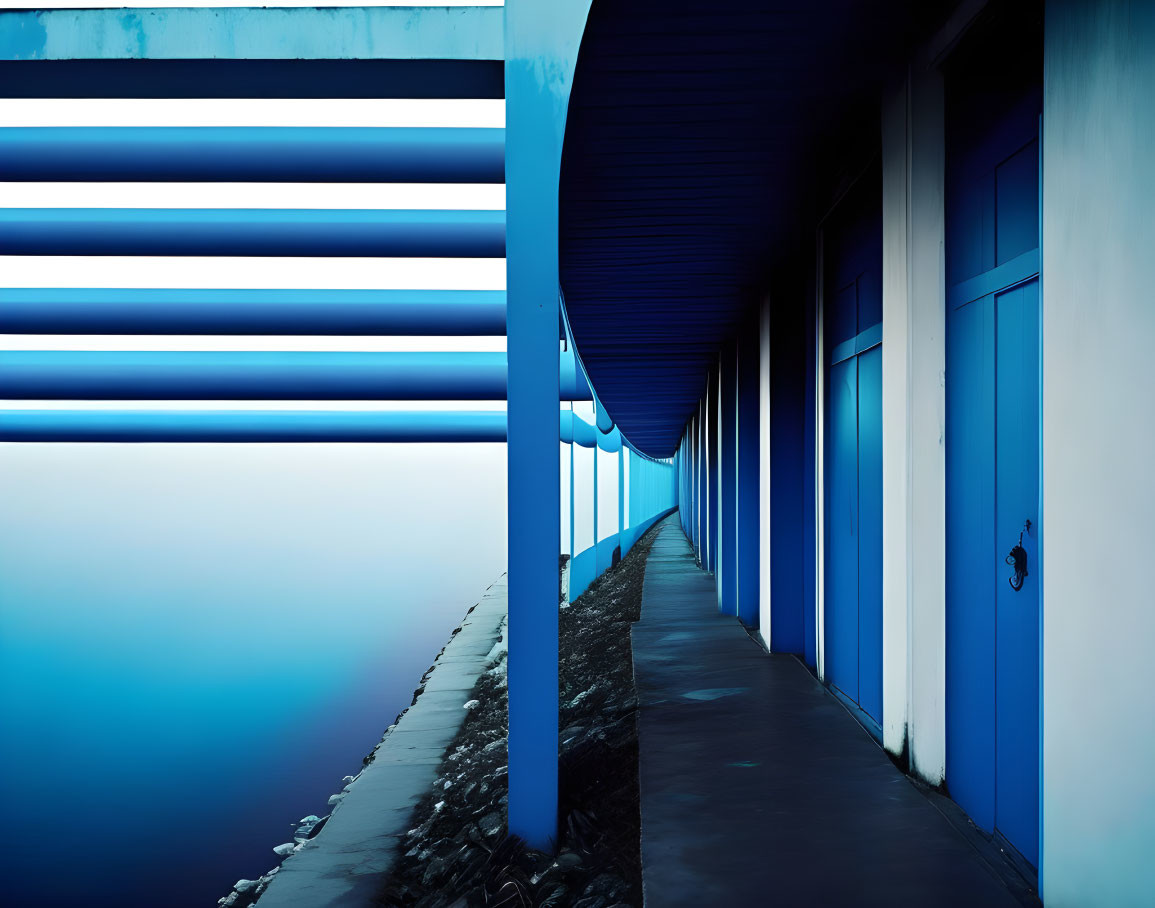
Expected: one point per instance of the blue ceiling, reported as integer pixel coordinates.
(696, 136)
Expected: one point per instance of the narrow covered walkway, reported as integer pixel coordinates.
(757, 787)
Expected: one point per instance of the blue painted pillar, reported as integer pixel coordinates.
(541, 44)
(748, 520)
(727, 481)
(703, 486)
(710, 503)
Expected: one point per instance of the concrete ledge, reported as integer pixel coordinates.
(304, 33)
(345, 863)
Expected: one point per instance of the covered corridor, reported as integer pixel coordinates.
(755, 780)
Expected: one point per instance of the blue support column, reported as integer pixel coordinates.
(541, 44)
(702, 499)
(749, 527)
(710, 503)
(728, 482)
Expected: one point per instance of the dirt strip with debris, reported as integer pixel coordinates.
(457, 853)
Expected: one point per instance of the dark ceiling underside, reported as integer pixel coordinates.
(695, 133)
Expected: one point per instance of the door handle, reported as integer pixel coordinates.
(1017, 558)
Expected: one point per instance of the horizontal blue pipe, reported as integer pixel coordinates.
(254, 426)
(251, 231)
(45, 375)
(138, 375)
(320, 312)
(253, 154)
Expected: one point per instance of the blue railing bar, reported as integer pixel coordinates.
(251, 232)
(216, 375)
(311, 312)
(253, 426)
(253, 154)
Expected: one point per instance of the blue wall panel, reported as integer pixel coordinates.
(787, 543)
(749, 495)
(809, 484)
(842, 527)
(728, 482)
(712, 468)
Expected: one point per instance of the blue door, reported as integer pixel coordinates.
(852, 251)
(992, 448)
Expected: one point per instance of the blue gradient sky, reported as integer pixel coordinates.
(198, 641)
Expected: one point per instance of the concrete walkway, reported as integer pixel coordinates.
(344, 866)
(757, 786)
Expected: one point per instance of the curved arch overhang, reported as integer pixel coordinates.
(695, 132)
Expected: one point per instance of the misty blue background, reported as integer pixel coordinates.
(198, 641)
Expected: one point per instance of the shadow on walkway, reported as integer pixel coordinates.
(757, 787)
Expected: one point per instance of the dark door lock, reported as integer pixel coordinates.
(1018, 560)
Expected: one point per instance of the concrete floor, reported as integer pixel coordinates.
(757, 786)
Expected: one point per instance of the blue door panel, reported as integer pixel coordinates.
(1017, 204)
(970, 231)
(842, 528)
(970, 570)
(870, 535)
(809, 486)
(1017, 649)
(842, 320)
(853, 456)
(993, 94)
(869, 285)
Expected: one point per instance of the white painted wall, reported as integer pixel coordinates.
(564, 484)
(1098, 317)
(913, 422)
(583, 503)
(896, 392)
(607, 493)
(626, 487)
